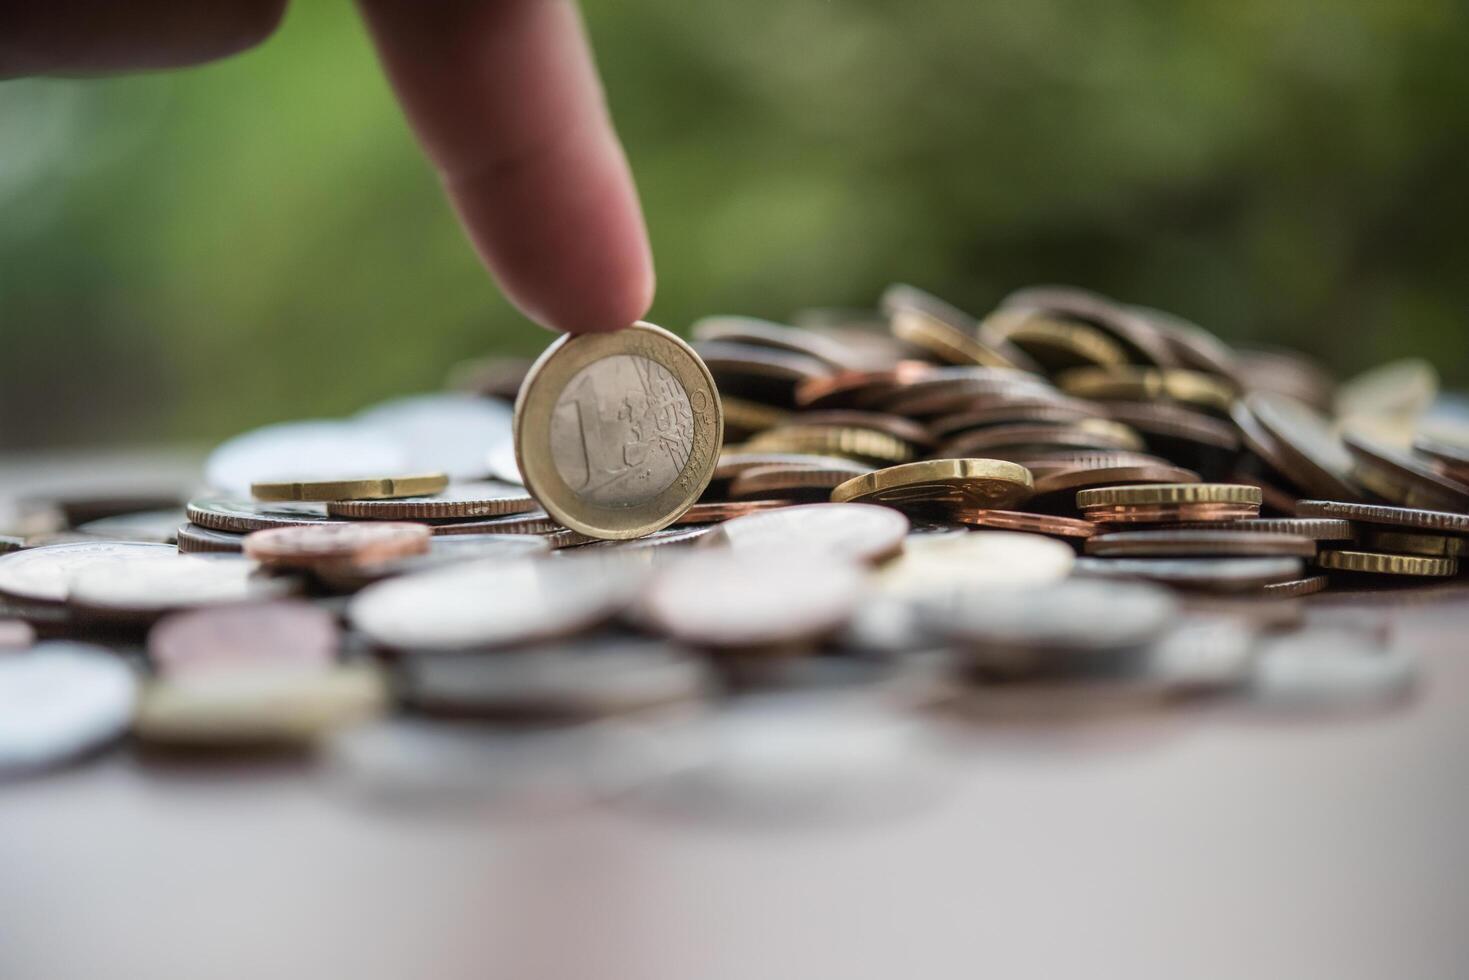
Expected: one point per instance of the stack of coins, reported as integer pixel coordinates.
(1067, 504)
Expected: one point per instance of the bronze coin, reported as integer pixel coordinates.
(945, 332)
(1054, 460)
(195, 539)
(715, 511)
(1411, 543)
(944, 391)
(792, 482)
(1145, 345)
(1013, 520)
(1169, 421)
(1169, 513)
(863, 532)
(1315, 528)
(1066, 480)
(867, 445)
(1206, 574)
(760, 374)
(1086, 434)
(1405, 517)
(1192, 345)
(838, 390)
(1401, 479)
(1381, 563)
(1056, 343)
(459, 500)
(1315, 457)
(1451, 460)
(1258, 441)
(1205, 391)
(893, 425)
(1294, 588)
(1030, 411)
(273, 634)
(743, 418)
(1204, 543)
(304, 547)
(764, 333)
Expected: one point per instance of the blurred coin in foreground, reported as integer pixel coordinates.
(1206, 574)
(16, 634)
(1326, 668)
(618, 433)
(155, 526)
(494, 603)
(144, 588)
(859, 531)
(305, 547)
(976, 561)
(59, 700)
(44, 574)
(279, 634)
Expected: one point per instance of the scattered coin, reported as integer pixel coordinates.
(850, 442)
(1294, 588)
(793, 482)
(491, 604)
(274, 634)
(618, 433)
(945, 333)
(937, 566)
(1322, 668)
(306, 547)
(1130, 383)
(155, 526)
(985, 483)
(60, 700)
(1169, 503)
(456, 502)
(1010, 520)
(1402, 479)
(1208, 574)
(128, 588)
(367, 488)
(747, 601)
(43, 575)
(263, 707)
(293, 451)
(1202, 543)
(1315, 528)
(1404, 517)
(1411, 543)
(1375, 563)
(196, 539)
(861, 532)
(564, 681)
(16, 634)
(243, 516)
(1067, 480)
(1313, 455)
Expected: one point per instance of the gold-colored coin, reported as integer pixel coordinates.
(985, 483)
(1142, 384)
(1168, 493)
(832, 440)
(618, 433)
(1409, 543)
(1377, 563)
(374, 488)
(1054, 342)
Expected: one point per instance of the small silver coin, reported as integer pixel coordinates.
(43, 575)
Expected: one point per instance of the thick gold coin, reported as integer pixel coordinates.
(984, 483)
(618, 433)
(1377, 563)
(1144, 384)
(1409, 543)
(375, 488)
(1169, 493)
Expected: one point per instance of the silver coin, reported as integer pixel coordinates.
(151, 586)
(445, 432)
(320, 449)
(493, 603)
(59, 700)
(238, 516)
(1207, 574)
(1322, 668)
(1204, 653)
(862, 532)
(567, 680)
(44, 574)
(443, 551)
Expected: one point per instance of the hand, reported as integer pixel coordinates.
(504, 97)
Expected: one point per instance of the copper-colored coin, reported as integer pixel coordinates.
(1198, 542)
(280, 634)
(1025, 408)
(1313, 455)
(1379, 563)
(1208, 574)
(1403, 479)
(1169, 513)
(1259, 441)
(1451, 460)
(1192, 345)
(834, 440)
(1054, 461)
(730, 600)
(1411, 543)
(1294, 588)
(764, 333)
(1085, 434)
(732, 464)
(1059, 481)
(1315, 528)
(944, 391)
(988, 483)
(195, 539)
(726, 358)
(715, 511)
(1406, 517)
(1169, 493)
(838, 389)
(304, 547)
(486, 499)
(1145, 344)
(855, 531)
(16, 634)
(1204, 391)
(241, 516)
(1014, 520)
(375, 488)
(791, 482)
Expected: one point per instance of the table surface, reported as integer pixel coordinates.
(1181, 843)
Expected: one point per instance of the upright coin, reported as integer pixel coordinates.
(59, 700)
(618, 433)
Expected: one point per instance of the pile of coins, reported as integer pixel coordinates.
(1070, 507)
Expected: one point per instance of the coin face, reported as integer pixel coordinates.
(59, 700)
(860, 531)
(303, 547)
(618, 433)
(937, 565)
(144, 587)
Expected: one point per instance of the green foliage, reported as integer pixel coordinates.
(190, 254)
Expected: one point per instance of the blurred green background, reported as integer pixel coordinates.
(187, 255)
